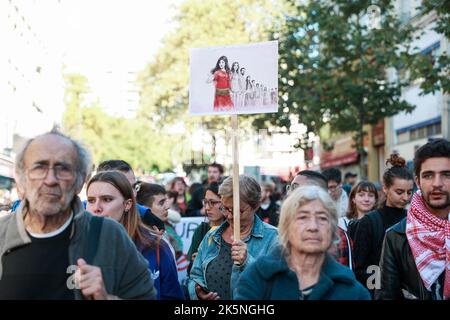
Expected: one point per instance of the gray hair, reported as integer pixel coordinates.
(83, 162)
(249, 190)
(297, 199)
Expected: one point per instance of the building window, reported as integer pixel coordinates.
(403, 137)
(419, 133)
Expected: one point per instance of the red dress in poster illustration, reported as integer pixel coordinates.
(222, 98)
(221, 76)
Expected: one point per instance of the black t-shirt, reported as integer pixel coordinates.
(38, 270)
(271, 214)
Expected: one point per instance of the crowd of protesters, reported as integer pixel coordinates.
(325, 239)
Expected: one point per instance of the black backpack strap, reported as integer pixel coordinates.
(95, 228)
(377, 228)
(158, 248)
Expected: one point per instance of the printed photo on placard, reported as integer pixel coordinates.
(234, 79)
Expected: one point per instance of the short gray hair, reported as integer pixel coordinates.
(83, 162)
(297, 199)
(249, 190)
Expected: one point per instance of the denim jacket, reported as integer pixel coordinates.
(262, 238)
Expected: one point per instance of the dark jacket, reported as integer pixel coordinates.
(195, 204)
(400, 278)
(369, 236)
(270, 215)
(197, 238)
(270, 278)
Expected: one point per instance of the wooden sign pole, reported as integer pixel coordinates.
(236, 202)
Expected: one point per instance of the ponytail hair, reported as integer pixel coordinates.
(397, 170)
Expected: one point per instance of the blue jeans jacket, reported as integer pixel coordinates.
(260, 241)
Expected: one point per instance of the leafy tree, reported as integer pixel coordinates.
(108, 137)
(435, 70)
(165, 80)
(76, 85)
(333, 68)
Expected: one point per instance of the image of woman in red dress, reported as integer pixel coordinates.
(220, 75)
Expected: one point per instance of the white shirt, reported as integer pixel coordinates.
(342, 204)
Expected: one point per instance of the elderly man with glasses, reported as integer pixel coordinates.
(51, 248)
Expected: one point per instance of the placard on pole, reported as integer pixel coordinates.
(233, 80)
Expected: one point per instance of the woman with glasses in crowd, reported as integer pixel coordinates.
(221, 259)
(110, 194)
(300, 267)
(212, 205)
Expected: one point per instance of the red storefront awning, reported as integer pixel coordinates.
(328, 162)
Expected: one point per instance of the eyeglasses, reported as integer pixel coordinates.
(292, 187)
(211, 203)
(40, 171)
(224, 209)
(333, 188)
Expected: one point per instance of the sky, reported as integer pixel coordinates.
(114, 35)
(105, 40)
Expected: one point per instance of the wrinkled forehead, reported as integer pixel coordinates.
(313, 207)
(52, 149)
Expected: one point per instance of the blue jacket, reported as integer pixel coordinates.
(262, 238)
(164, 274)
(270, 278)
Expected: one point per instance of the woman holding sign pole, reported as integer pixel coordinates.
(221, 261)
(221, 76)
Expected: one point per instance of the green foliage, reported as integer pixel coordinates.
(333, 68)
(165, 80)
(433, 71)
(114, 138)
(75, 85)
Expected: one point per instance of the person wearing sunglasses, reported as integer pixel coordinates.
(221, 259)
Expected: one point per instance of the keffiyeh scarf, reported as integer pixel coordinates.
(429, 239)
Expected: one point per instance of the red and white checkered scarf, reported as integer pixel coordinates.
(429, 239)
